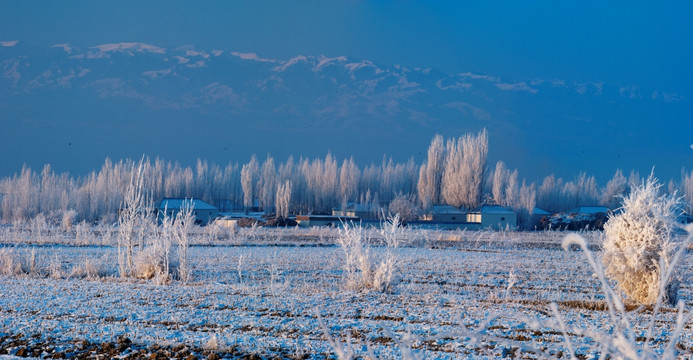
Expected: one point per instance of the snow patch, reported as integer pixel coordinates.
(479, 77)
(456, 86)
(181, 59)
(360, 65)
(631, 92)
(251, 56)
(324, 61)
(666, 97)
(521, 86)
(290, 63)
(196, 53)
(197, 65)
(154, 74)
(130, 47)
(11, 70)
(66, 47)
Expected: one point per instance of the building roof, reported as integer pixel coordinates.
(177, 203)
(327, 217)
(590, 210)
(359, 207)
(494, 209)
(447, 209)
(538, 211)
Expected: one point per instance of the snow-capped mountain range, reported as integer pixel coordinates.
(124, 99)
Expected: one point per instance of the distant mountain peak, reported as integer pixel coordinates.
(129, 48)
(313, 97)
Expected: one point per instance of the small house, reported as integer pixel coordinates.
(446, 214)
(485, 217)
(536, 216)
(324, 220)
(204, 212)
(368, 212)
(493, 217)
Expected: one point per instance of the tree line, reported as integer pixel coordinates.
(455, 172)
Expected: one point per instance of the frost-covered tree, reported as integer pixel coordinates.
(614, 190)
(500, 175)
(687, 190)
(249, 175)
(512, 189)
(549, 194)
(475, 150)
(405, 207)
(430, 174)
(583, 191)
(639, 244)
(463, 173)
(267, 184)
(349, 175)
(525, 205)
(634, 179)
(283, 199)
(133, 214)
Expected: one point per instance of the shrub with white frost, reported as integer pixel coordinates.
(639, 244)
(363, 269)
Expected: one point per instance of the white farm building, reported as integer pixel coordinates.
(203, 211)
(493, 217)
(485, 217)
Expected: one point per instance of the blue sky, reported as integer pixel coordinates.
(637, 43)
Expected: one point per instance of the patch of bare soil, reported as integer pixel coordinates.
(36, 346)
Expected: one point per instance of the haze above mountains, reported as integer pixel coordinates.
(74, 106)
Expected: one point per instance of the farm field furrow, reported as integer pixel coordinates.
(291, 301)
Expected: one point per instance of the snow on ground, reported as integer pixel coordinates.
(273, 298)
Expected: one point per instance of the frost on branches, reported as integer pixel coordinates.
(639, 245)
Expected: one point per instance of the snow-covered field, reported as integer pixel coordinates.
(282, 293)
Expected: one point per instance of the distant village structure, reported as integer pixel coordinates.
(367, 212)
(452, 188)
(493, 217)
(203, 211)
(490, 217)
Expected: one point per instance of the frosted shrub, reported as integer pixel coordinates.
(68, 219)
(30, 264)
(363, 270)
(149, 264)
(82, 233)
(55, 268)
(39, 228)
(639, 245)
(618, 337)
(131, 219)
(352, 239)
(182, 227)
(9, 262)
(404, 206)
(91, 268)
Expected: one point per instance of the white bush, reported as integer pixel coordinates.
(639, 244)
(149, 264)
(68, 219)
(405, 207)
(91, 268)
(618, 337)
(183, 225)
(364, 270)
(9, 262)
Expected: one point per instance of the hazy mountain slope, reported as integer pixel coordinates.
(73, 107)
